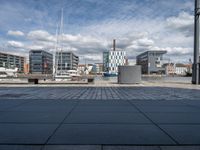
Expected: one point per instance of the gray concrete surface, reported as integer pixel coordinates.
(99, 118)
(129, 74)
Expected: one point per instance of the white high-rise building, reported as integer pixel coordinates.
(113, 59)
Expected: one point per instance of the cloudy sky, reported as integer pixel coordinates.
(90, 26)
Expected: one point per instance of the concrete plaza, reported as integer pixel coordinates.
(110, 118)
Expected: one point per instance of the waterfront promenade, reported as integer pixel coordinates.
(118, 117)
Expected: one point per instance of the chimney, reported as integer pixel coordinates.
(114, 45)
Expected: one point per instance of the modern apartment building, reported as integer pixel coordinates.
(10, 61)
(40, 62)
(66, 61)
(113, 59)
(151, 62)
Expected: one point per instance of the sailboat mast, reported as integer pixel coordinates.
(56, 52)
(61, 40)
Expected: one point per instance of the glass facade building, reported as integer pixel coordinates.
(66, 61)
(151, 62)
(10, 61)
(41, 62)
(113, 59)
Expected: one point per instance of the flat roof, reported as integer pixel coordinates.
(12, 54)
(153, 51)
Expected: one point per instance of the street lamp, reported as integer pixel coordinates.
(195, 70)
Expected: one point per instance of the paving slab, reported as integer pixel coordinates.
(106, 118)
(109, 134)
(6, 104)
(131, 148)
(184, 134)
(46, 108)
(20, 147)
(25, 133)
(158, 102)
(114, 116)
(168, 109)
(195, 103)
(175, 118)
(180, 147)
(72, 147)
(107, 102)
(32, 117)
(116, 109)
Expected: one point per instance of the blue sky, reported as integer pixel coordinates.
(90, 26)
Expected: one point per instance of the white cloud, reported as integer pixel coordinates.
(41, 35)
(92, 57)
(15, 44)
(134, 35)
(15, 33)
(145, 42)
(183, 22)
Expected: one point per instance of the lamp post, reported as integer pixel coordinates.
(195, 72)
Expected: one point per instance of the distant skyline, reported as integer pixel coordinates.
(91, 25)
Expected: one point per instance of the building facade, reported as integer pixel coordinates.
(181, 69)
(99, 68)
(151, 62)
(40, 62)
(113, 59)
(66, 61)
(170, 68)
(26, 68)
(10, 61)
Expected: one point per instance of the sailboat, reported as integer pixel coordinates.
(8, 72)
(61, 73)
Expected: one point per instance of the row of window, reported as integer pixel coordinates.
(115, 64)
(117, 57)
(117, 53)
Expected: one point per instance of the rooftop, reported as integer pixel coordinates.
(5, 53)
(153, 51)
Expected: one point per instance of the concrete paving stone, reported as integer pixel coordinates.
(109, 134)
(107, 102)
(131, 148)
(175, 118)
(20, 147)
(106, 118)
(160, 109)
(25, 133)
(54, 102)
(5, 104)
(159, 102)
(105, 109)
(72, 147)
(192, 102)
(46, 108)
(32, 117)
(184, 134)
(180, 147)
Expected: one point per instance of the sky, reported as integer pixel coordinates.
(91, 25)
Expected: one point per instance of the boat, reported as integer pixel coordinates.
(62, 74)
(67, 75)
(108, 74)
(5, 72)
